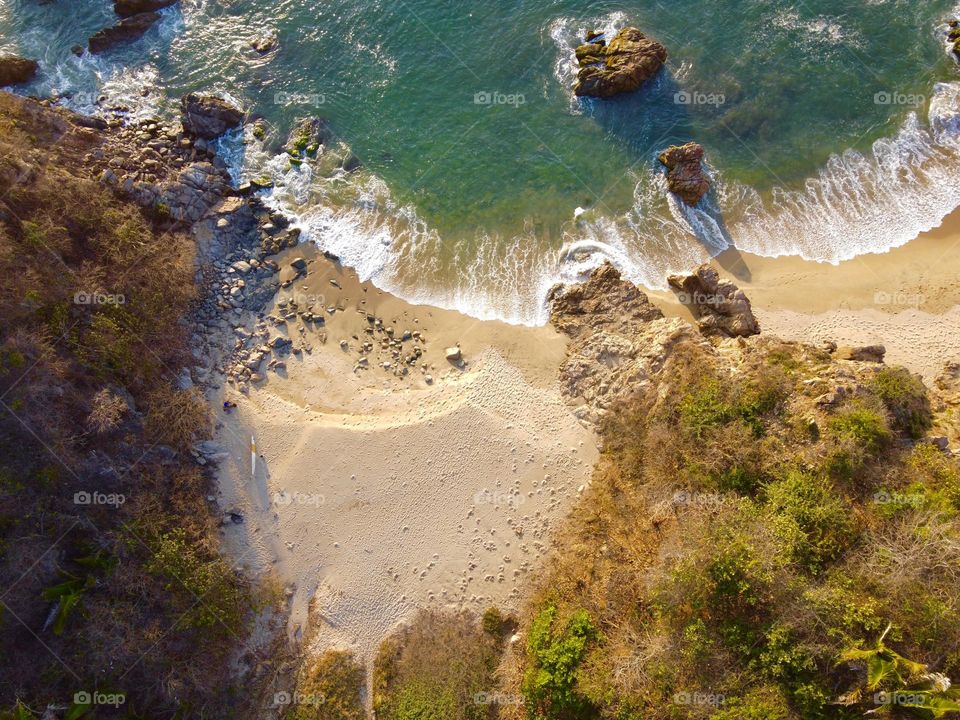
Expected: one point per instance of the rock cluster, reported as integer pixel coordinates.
(719, 306)
(623, 65)
(127, 30)
(396, 351)
(16, 70)
(685, 176)
(208, 117)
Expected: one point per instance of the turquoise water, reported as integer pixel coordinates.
(830, 128)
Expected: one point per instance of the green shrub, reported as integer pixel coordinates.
(554, 657)
(330, 688)
(764, 703)
(905, 396)
(813, 522)
(863, 425)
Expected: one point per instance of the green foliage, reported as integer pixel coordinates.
(211, 593)
(550, 683)
(905, 398)
(813, 522)
(764, 703)
(329, 688)
(863, 425)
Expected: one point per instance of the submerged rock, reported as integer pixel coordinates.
(125, 31)
(685, 176)
(623, 65)
(720, 307)
(15, 70)
(207, 116)
(307, 137)
(129, 8)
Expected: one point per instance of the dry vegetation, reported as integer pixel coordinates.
(109, 577)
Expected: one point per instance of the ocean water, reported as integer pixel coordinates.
(832, 128)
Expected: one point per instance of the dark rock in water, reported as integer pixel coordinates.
(685, 172)
(264, 44)
(594, 36)
(126, 30)
(77, 50)
(307, 137)
(626, 63)
(129, 8)
(207, 117)
(720, 307)
(351, 163)
(16, 70)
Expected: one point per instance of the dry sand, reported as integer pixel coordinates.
(376, 495)
(907, 299)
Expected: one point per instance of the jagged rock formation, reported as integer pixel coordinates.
(16, 70)
(207, 116)
(127, 30)
(720, 307)
(619, 340)
(685, 176)
(623, 65)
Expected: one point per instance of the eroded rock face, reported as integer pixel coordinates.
(15, 70)
(619, 340)
(720, 307)
(129, 8)
(307, 136)
(623, 65)
(685, 175)
(207, 116)
(127, 30)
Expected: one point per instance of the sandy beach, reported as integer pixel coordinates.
(907, 299)
(375, 493)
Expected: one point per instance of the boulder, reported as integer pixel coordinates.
(125, 31)
(453, 354)
(621, 66)
(866, 353)
(16, 70)
(605, 302)
(685, 176)
(129, 8)
(207, 116)
(720, 307)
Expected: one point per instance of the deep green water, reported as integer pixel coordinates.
(472, 204)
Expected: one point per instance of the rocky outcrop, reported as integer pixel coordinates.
(207, 116)
(685, 176)
(16, 70)
(720, 307)
(864, 353)
(619, 340)
(129, 8)
(307, 136)
(127, 30)
(623, 65)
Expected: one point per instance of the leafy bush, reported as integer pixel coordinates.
(863, 425)
(906, 398)
(330, 688)
(554, 657)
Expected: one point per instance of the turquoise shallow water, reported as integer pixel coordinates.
(830, 128)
